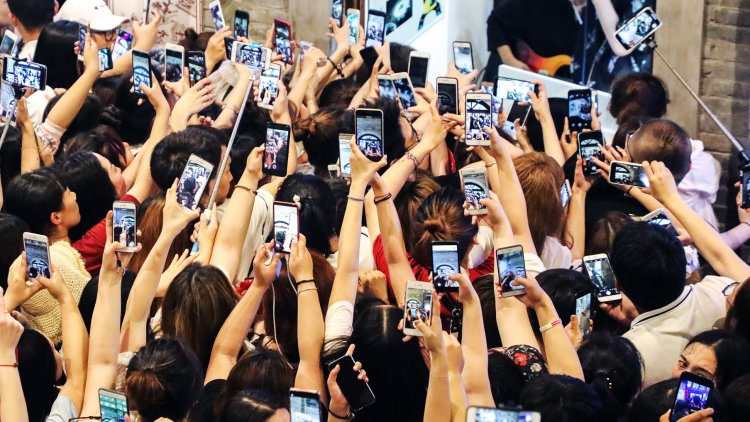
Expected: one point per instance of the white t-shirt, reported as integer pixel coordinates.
(28, 50)
(555, 255)
(662, 334)
(700, 185)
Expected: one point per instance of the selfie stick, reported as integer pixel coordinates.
(17, 94)
(224, 161)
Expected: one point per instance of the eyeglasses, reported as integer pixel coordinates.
(108, 35)
(414, 134)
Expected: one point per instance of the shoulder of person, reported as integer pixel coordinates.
(714, 284)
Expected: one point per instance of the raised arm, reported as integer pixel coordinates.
(233, 101)
(29, 148)
(145, 39)
(540, 103)
(12, 401)
(575, 225)
(608, 19)
(438, 403)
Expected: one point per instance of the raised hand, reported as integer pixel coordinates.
(662, 184)
(363, 170)
(300, 260)
(265, 272)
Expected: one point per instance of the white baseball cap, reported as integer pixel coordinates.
(98, 14)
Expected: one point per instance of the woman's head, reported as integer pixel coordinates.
(320, 135)
(408, 201)
(136, 118)
(193, 41)
(564, 287)
(541, 178)
(738, 315)
(338, 94)
(560, 397)
(441, 218)
(316, 208)
(163, 380)
(612, 365)
(195, 307)
(54, 49)
(11, 241)
(602, 234)
(638, 94)
(40, 198)
(39, 367)
(255, 405)
(104, 141)
(86, 118)
(718, 355)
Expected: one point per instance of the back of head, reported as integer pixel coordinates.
(33, 196)
(563, 287)
(541, 178)
(338, 94)
(255, 405)
(441, 218)
(195, 307)
(737, 396)
(11, 241)
(163, 380)
(320, 135)
(102, 140)
(638, 94)
(316, 209)
(37, 369)
(400, 57)
(136, 118)
(738, 316)
(662, 140)
(10, 156)
(506, 381)
(601, 236)
(88, 117)
(653, 401)
(32, 14)
(562, 398)
(170, 156)
(649, 265)
(408, 201)
(612, 365)
(54, 49)
(193, 41)
(731, 351)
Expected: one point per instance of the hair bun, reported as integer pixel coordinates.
(434, 225)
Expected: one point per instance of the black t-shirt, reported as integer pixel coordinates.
(203, 409)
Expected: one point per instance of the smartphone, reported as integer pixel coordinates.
(276, 153)
(174, 61)
(419, 62)
(497, 104)
(463, 57)
(589, 146)
(583, 312)
(660, 218)
(337, 12)
(447, 95)
(8, 102)
(368, 126)
(601, 274)
(629, 174)
(492, 414)
(196, 64)
(345, 152)
(193, 182)
(375, 30)
(228, 47)
(241, 23)
(352, 15)
(285, 226)
(304, 405)
(37, 255)
(141, 71)
(124, 224)
(122, 43)
(638, 29)
(217, 15)
(418, 305)
(476, 188)
(113, 405)
(510, 266)
(514, 89)
(565, 193)
(386, 87)
(304, 46)
(478, 116)
(83, 30)
(254, 56)
(745, 189)
(105, 59)
(444, 263)
(404, 90)
(579, 109)
(25, 74)
(691, 396)
(283, 36)
(269, 86)
(8, 44)
(356, 391)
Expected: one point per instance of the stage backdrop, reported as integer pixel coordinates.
(178, 15)
(405, 20)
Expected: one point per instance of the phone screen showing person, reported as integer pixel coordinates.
(83, 30)
(337, 11)
(405, 93)
(418, 305)
(444, 264)
(345, 152)
(462, 58)
(387, 90)
(193, 182)
(141, 71)
(601, 274)
(418, 70)
(105, 59)
(217, 15)
(447, 94)
(514, 89)
(123, 224)
(228, 46)
(478, 117)
(579, 110)
(269, 88)
(285, 226)
(356, 391)
(692, 396)
(173, 68)
(510, 266)
(241, 24)
(583, 312)
(283, 36)
(375, 29)
(621, 173)
(636, 30)
(122, 44)
(25, 74)
(37, 257)
(304, 406)
(590, 146)
(113, 405)
(369, 129)
(353, 18)
(196, 63)
(475, 188)
(745, 189)
(565, 193)
(276, 153)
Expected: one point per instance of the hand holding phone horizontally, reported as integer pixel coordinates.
(38, 263)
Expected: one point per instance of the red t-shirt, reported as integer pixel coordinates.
(91, 245)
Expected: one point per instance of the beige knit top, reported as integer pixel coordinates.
(42, 310)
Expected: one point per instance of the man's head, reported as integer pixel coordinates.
(662, 140)
(31, 15)
(649, 265)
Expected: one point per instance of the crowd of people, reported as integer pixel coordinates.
(224, 330)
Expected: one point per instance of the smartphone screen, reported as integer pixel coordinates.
(638, 29)
(193, 182)
(692, 396)
(369, 128)
(630, 174)
(241, 24)
(123, 224)
(387, 89)
(345, 152)
(356, 391)
(276, 153)
(83, 30)
(113, 405)
(513, 89)
(418, 70)
(565, 193)
(478, 117)
(418, 305)
(23, 73)
(173, 68)
(484, 414)
(510, 266)
(122, 44)
(497, 103)
(745, 189)
(6, 46)
(337, 11)
(285, 226)
(444, 264)
(283, 43)
(579, 110)
(601, 274)
(447, 94)
(375, 29)
(228, 45)
(251, 55)
(269, 88)
(37, 257)
(583, 312)
(105, 60)
(462, 57)
(590, 146)
(475, 189)
(196, 63)
(217, 15)
(405, 93)
(8, 101)
(141, 71)
(353, 18)
(304, 406)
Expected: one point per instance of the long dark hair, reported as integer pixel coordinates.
(11, 241)
(54, 49)
(87, 118)
(33, 196)
(38, 369)
(316, 211)
(135, 119)
(738, 315)
(103, 140)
